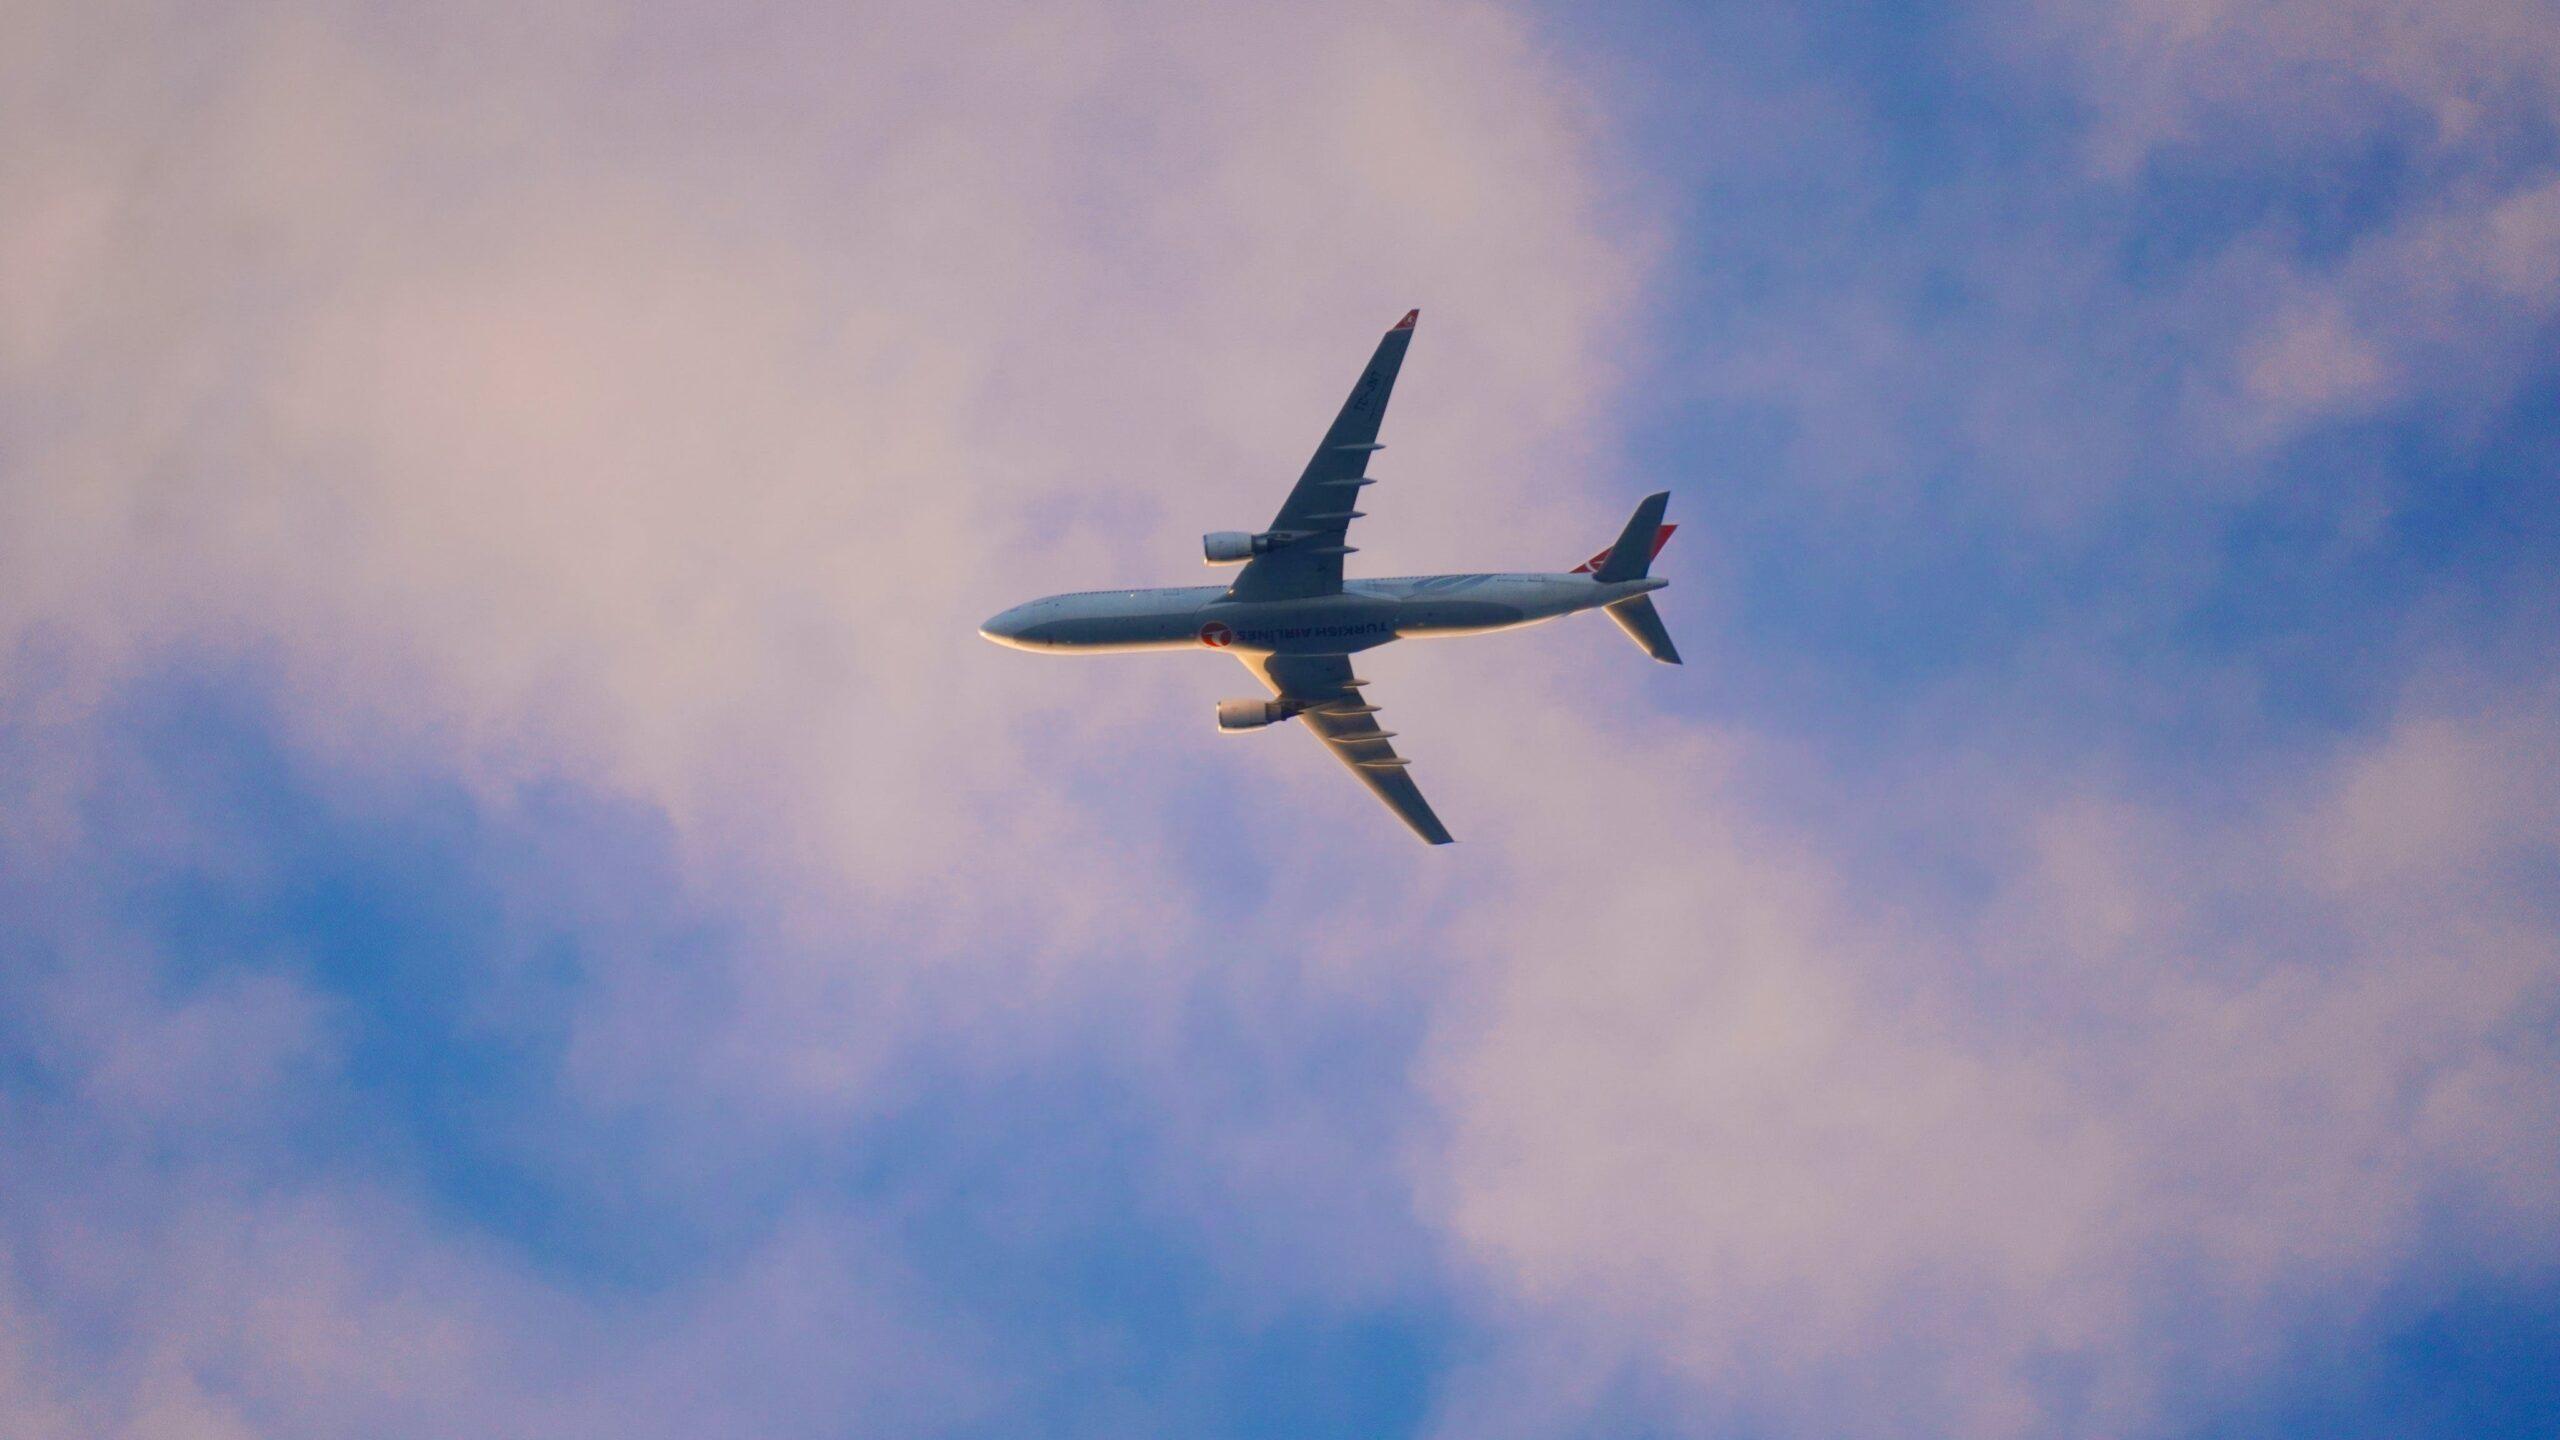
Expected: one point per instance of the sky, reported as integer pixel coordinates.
(526, 908)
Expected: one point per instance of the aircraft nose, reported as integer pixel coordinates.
(1008, 627)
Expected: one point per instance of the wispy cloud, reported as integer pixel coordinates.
(612, 424)
(526, 907)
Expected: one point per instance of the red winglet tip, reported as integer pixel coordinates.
(1409, 317)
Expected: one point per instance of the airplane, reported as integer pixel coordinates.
(1295, 621)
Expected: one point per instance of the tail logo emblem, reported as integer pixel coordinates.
(1216, 636)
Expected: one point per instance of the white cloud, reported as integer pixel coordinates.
(657, 402)
(2445, 283)
(2311, 364)
(606, 399)
(2042, 1165)
(2160, 73)
(654, 400)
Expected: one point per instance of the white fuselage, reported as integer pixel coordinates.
(1365, 614)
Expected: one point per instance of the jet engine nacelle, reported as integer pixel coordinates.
(1232, 547)
(1239, 715)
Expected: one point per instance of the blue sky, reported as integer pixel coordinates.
(525, 909)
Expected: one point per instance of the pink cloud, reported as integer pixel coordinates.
(1864, 1168)
(657, 406)
(605, 398)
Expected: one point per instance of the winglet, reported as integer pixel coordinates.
(1406, 323)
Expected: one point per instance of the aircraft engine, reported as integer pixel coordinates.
(1232, 547)
(1240, 715)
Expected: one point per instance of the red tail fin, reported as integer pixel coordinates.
(1661, 538)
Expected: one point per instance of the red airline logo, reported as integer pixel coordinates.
(1661, 538)
(1216, 636)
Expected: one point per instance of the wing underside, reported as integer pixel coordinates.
(1335, 713)
(1324, 502)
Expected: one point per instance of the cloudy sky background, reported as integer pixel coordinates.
(525, 909)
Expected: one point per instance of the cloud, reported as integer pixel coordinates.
(615, 405)
(2115, 277)
(2313, 363)
(607, 426)
(2444, 277)
(2075, 1035)
(533, 432)
(2170, 72)
(2050, 1161)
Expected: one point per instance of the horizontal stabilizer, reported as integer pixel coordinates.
(1643, 625)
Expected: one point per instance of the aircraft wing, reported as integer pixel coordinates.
(1324, 502)
(1348, 726)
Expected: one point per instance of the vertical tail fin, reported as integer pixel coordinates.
(1632, 559)
(1643, 539)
